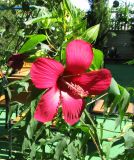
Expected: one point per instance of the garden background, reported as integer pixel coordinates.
(43, 28)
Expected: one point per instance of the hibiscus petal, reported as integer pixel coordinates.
(16, 60)
(48, 105)
(45, 72)
(72, 108)
(79, 56)
(95, 82)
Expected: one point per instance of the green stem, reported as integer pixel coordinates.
(89, 117)
(93, 136)
(97, 99)
(48, 40)
(94, 126)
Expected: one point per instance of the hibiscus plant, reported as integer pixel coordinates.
(65, 81)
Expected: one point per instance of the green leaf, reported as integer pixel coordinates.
(26, 144)
(117, 100)
(33, 151)
(36, 55)
(24, 86)
(42, 141)
(114, 103)
(2, 30)
(84, 128)
(44, 13)
(117, 150)
(130, 62)
(114, 88)
(125, 97)
(59, 149)
(31, 128)
(9, 92)
(32, 42)
(39, 132)
(122, 104)
(13, 106)
(97, 62)
(35, 20)
(72, 10)
(56, 138)
(107, 148)
(33, 104)
(19, 122)
(41, 19)
(91, 34)
(72, 151)
(129, 139)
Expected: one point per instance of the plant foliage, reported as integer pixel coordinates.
(44, 31)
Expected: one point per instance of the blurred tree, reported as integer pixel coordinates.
(100, 13)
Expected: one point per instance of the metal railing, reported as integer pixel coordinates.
(123, 26)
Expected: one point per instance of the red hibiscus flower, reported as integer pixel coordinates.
(67, 86)
(16, 61)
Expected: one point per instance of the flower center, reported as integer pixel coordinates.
(76, 89)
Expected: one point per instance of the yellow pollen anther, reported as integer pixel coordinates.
(77, 90)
